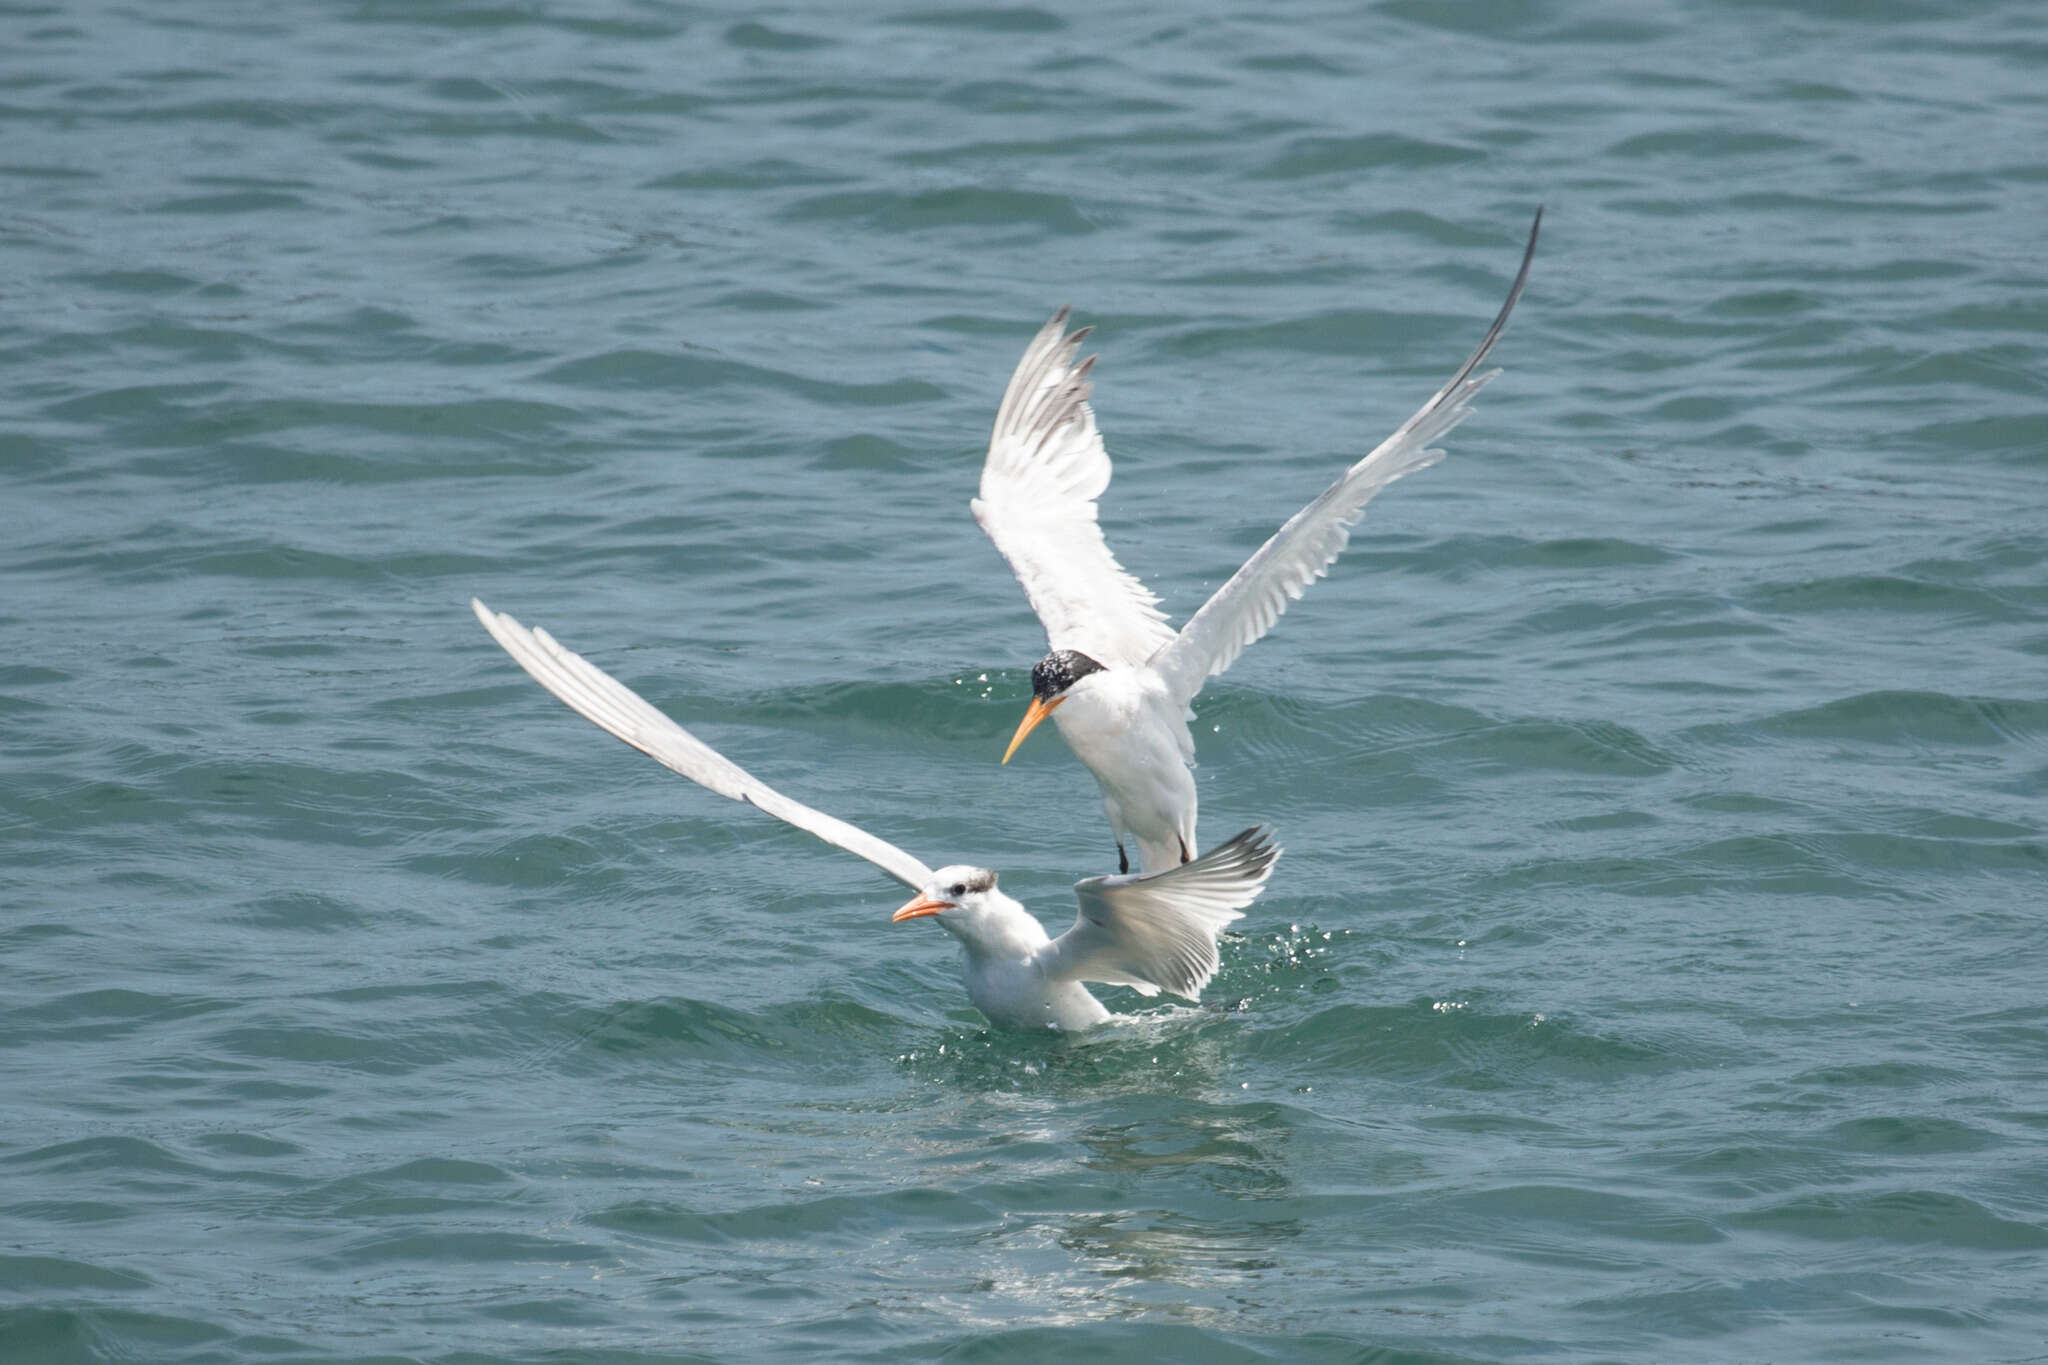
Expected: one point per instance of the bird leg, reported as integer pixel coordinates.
(1123, 861)
(1186, 856)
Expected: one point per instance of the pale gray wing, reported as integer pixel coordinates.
(618, 710)
(1300, 552)
(1158, 932)
(1044, 471)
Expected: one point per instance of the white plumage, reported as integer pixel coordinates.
(1151, 932)
(1118, 680)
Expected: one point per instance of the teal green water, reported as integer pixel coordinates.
(1656, 969)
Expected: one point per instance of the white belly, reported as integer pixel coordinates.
(1013, 995)
(1137, 744)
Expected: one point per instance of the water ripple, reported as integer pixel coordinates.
(1653, 970)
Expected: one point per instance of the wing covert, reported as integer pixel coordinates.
(613, 707)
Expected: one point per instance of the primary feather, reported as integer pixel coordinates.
(1045, 469)
(623, 713)
(1159, 932)
(1303, 549)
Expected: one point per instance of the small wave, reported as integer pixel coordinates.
(828, 1221)
(1317, 156)
(106, 1157)
(687, 371)
(100, 1015)
(58, 1274)
(1896, 1218)
(1007, 210)
(1452, 1044)
(1913, 718)
(804, 1035)
(106, 1333)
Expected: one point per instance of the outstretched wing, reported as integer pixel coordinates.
(1301, 551)
(1159, 932)
(620, 711)
(1045, 469)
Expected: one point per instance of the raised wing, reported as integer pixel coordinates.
(1045, 469)
(1159, 932)
(1302, 551)
(618, 710)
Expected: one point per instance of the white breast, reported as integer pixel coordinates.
(1131, 735)
(1008, 952)
(1015, 994)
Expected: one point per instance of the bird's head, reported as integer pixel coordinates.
(1053, 679)
(989, 925)
(957, 896)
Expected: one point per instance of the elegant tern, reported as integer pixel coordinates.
(1151, 933)
(1117, 680)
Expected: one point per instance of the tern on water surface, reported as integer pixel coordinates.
(1152, 933)
(1117, 680)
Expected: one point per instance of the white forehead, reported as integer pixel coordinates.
(960, 874)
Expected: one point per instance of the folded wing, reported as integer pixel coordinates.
(1045, 469)
(1302, 551)
(623, 713)
(1158, 933)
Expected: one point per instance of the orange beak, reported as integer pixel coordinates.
(1036, 712)
(918, 908)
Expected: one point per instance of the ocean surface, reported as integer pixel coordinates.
(1656, 970)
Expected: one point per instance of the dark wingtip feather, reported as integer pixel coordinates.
(1252, 850)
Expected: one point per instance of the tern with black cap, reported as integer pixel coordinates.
(1118, 680)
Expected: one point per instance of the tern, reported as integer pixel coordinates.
(1117, 680)
(1151, 933)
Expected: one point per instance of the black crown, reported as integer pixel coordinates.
(1060, 670)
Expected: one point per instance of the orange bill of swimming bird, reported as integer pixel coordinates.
(920, 906)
